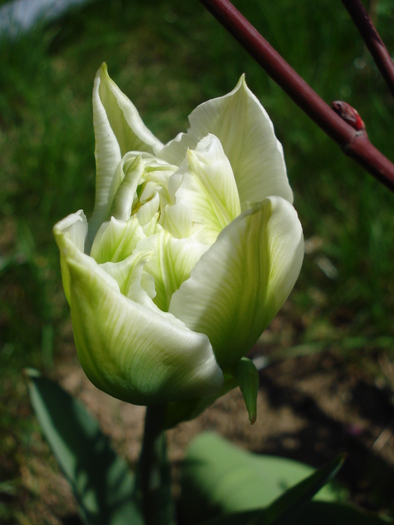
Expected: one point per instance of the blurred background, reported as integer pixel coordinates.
(168, 56)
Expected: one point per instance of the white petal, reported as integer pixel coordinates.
(132, 168)
(74, 228)
(128, 273)
(177, 220)
(171, 264)
(126, 123)
(131, 352)
(149, 210)
(116, 240)
(118, 128)
(239, 284)
(208, 185)
(248, 139)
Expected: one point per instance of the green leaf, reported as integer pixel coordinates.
(325, 513)
(248, 380)
(219, 478)
(100, 479)
(288, 504)
(315, 512)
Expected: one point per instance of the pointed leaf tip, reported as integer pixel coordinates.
(247, 378)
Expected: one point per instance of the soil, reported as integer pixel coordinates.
(310, 408)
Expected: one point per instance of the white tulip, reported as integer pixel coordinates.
(191, 250)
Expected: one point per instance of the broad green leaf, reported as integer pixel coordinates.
(219, 478)
(101, 481)
(288, 503)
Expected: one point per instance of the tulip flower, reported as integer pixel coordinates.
(191, 250)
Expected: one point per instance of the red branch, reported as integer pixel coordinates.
(372, 40)
(354, 144)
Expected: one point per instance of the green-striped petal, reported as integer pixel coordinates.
(75, 228)
(118, 128)
(116, 240)
(171, 264)
(248, 139)
(208, 186)
(240, 283)
(127, 349)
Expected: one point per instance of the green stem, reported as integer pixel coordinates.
(154, 480)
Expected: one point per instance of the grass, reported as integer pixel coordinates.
(168, 56)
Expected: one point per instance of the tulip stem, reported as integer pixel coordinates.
(153, 476)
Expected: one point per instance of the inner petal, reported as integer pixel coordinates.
(208, 185)
(171, 264)
(116, 240)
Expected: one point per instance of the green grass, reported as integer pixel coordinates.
(168, 56)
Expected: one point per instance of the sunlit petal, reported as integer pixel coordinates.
(118, 128)
(163, 361)
(239, 284)
(116, 240)
(74, 228)
(171, 264)
(208, 185)
(248, 139)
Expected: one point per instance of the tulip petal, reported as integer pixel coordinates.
(127, 349)
(171, 264)
(118, 128)
(75, 228)
(240, 283)
(208, 186)
(128, 275)
(116, 240)
(132, 168)
(248, 139)
(124, 119)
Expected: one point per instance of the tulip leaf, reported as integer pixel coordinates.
(220, 479)
(248, 379)
(101, 481)
(288, 503)
(321, 512)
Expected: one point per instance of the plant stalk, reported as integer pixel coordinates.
(372, 40)
(153, 478)
(355, 144)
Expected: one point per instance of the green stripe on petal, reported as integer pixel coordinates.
(126, 123)
(132, 352)
(118, 128)
(247, 135)
(171, 264)
(208, 185)
(116, 240)
(132, 168)
(240, 283)
(128, 273)
(71, 231)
